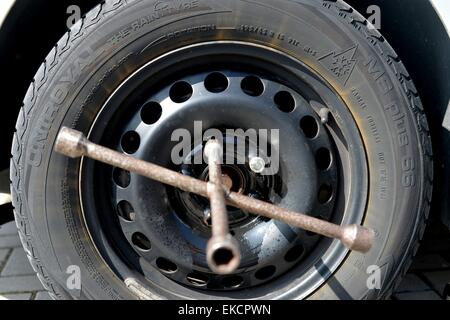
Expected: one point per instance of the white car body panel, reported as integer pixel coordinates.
(5, 6)
(443, 9)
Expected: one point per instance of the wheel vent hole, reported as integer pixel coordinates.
(181, 92)
(121, 177)
(253, 86)
(126, 211)
(197, 279)
(151, 112)
(141, 241)
(265, 273)
(323, 159)
(294, 253)
(285, 101)
(216, 82)
(309, 126)
(232, 282)
(166, 265)
(325, 194)
(131, 142)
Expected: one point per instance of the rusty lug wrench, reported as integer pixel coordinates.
(74, 144)
(222, 252)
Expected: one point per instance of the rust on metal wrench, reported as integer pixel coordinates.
(222, 252)
(74, 144)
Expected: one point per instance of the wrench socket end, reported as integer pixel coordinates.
(358, 238)
(223, 254)
(71, 143)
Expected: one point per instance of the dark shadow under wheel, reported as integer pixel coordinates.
(353, 145)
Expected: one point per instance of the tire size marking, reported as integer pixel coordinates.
(274, 35)
(265, 32)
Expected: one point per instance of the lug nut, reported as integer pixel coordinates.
(257, 164)
(324, 114)
(207, 217)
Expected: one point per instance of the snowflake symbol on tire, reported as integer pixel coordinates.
(340, 64)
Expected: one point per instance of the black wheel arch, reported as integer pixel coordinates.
(33, 27)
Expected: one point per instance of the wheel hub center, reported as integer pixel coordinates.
(228, 182)
(233, 179)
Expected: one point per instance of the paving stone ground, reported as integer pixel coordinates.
(426, 280)
(17, 279)
(429, 276)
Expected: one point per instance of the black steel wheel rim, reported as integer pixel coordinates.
(156, 234)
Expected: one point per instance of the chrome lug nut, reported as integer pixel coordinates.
(257, 164)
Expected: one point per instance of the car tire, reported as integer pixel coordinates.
(117, 38)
